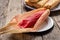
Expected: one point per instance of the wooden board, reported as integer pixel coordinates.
(57, 19)
(54, 34)
(9, 8)
(3, 6)
(13, 9)
(16, 7)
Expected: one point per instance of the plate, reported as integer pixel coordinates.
(48, 24)
(31, 8)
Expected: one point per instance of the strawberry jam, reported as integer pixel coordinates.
(31, 20)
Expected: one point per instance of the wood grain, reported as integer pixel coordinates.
(14, 8)
(9, 8)
(3, 6)
(54, 34)
(56, 16)
(57, 19)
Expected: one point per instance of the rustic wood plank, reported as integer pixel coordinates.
(14, 8)
(54, 34)
(5, 37)
(19, 37)
(26, 37)
(3, 6)
(57, 18)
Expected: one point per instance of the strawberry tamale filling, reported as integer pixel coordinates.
(30, 20)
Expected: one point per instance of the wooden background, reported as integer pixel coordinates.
(9, 8)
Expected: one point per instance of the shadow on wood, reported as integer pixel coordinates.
(55, 13)
(29, 36)
(20, 36)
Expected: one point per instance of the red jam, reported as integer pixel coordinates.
(31, 20)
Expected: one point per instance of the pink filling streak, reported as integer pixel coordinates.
(31, 20)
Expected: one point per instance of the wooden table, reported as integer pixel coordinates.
(9, 8)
